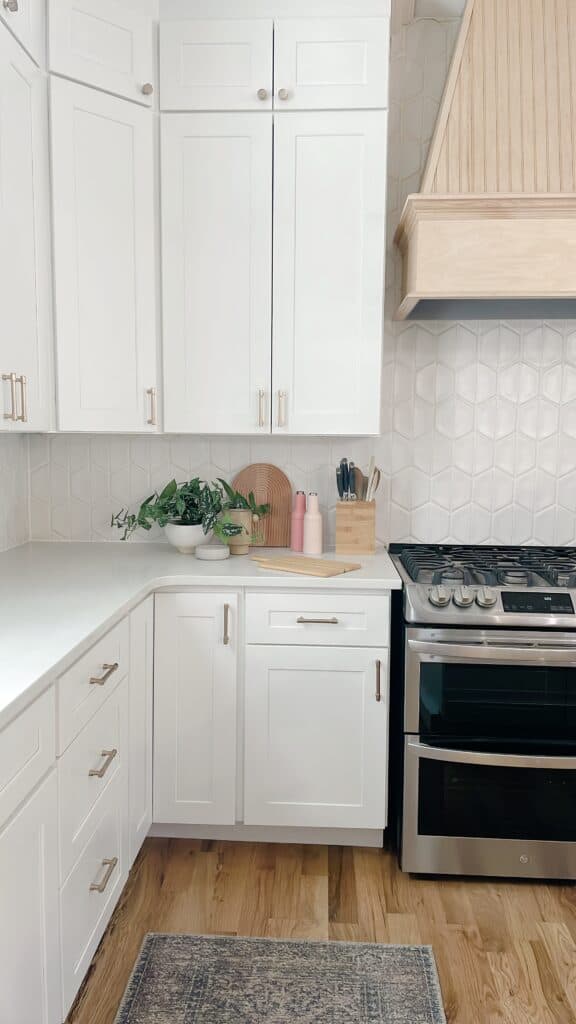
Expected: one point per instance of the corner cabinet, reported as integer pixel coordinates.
(195, 676)
(274, 226)
(26, 385)
(104, 251)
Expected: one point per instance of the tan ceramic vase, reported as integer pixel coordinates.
(240, 545)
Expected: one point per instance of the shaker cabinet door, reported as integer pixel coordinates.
(104, 43)
(26, 387)
(30, 932)
(217, 242)
(195, 668)
(329, 245)
(26, 19)
(216, 64)
(104, 249)
(316, 742)
(140, 712)
(331, 63)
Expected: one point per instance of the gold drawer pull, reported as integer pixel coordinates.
(226, 634)
(378, 681)
(108, 671)
(110, 864)
(316, 622)
(99, 773)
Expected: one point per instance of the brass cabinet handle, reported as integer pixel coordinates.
(110, 864)
(281, 408)
(261, 407)
(12, 415)
(153, 418)
(226, 634)
(108, 671)
(99, 773)
(23, 382)
(316, 622)
(147, 89)
(378, 680)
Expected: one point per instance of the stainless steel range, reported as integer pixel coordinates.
(487, 637)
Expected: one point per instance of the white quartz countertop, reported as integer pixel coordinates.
(58, 599)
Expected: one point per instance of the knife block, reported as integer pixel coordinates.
(355, 527)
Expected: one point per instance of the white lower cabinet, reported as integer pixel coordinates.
(196, 644)
(316, 737)
(92, 890)
(29, 929)
(140, 710)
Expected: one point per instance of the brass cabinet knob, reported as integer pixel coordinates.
(11, 5)
(283, 94)
(147, 89)
(262, 94)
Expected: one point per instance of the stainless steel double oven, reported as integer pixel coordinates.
(489, 757)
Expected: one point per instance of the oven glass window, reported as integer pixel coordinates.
(498, 701)
(495, 802)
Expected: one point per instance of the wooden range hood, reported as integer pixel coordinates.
(492, 233)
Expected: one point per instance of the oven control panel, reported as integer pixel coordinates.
(537, 604)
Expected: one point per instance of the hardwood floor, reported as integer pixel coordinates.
(506, 952)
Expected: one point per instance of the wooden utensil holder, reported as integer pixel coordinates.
(356, 527)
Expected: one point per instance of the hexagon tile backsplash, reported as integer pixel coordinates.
(479, 419)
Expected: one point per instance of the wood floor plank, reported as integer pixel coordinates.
(506, 952)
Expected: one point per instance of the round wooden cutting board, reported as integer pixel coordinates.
(270, 486)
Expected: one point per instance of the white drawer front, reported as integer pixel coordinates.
(27, 750)
(318, 619)
(86, 770)
(85, 910)
(85, 686)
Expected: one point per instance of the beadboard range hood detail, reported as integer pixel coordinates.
(492, 232)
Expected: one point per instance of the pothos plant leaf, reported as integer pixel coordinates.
(192, 503)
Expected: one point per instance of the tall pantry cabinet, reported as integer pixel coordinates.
(273, 224)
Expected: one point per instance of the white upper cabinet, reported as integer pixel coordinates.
(104, 249)
(196, 652)
(217, 241)
(331, 63)
(103, 43)
(26, 395)
(27, 20)
(216, 65)
(329, 242)
(316, 747)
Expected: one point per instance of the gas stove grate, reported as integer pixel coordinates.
(515, 567)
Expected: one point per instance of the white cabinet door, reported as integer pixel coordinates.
(140, 723)
(26, 403)
(217, 241)
(103, 43)
(196, 643)
(104, 244)
(329, 244)
(216, 64)
(316, 737)
(27, 20)
(30, 932)
(331, 63)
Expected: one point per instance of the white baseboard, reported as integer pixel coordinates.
(273, 834)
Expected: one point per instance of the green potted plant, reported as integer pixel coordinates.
(243, 512)
(190, 513)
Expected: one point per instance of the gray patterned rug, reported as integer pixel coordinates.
(195, 979)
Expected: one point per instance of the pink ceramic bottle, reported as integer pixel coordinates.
(297, 523)
(312, 526)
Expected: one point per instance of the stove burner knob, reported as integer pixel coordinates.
(463, 597)
(486, 597)
(439, 596)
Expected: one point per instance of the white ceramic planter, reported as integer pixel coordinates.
(186, 538)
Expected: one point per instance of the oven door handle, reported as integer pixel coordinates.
(482, 758)
(536, 652)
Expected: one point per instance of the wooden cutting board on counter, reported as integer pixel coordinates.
(270, 486)
(306, 566)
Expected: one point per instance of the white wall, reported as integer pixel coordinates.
(479, 419)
